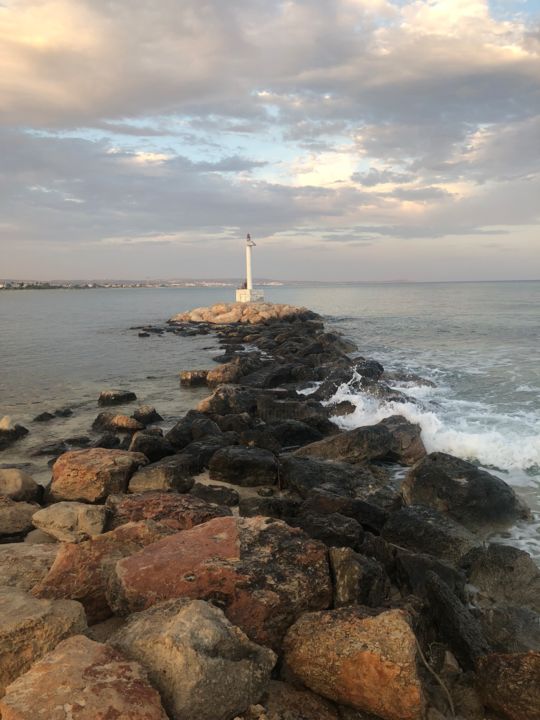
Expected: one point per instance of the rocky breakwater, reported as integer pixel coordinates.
(255, 563)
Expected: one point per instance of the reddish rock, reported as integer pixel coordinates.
(262, 573)
(81, 570)
(285, 702)
(82, 680)
(92, 475)
(510, 684)
(359, 658)
(178, 512)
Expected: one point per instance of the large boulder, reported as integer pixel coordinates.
(23, 565)
(357, 579)
(92, 475)
(244, 466)
(263, 573)
(510, 684)
(15, 517)
(471, 496)
(177, 512)
(10, 433)
(17, 484)
(172, 473)
(358, 657)
(216, 494)
(232, 371)
(394, 438)
(218, 671)
(71, 521)
(504, 575)
(116, 423)
(249, 313)
(305, 475)
(424, 530)
(147, 414)
(227, 399)
(82, 680)
(272, 409)
(154, 446)
(29, 628)
(510, 629)
(115, 397)
(81, 571)
(333, 529)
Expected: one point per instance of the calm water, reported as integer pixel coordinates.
(478, 341)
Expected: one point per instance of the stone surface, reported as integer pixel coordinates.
(357, 580)
(393, 438)
(172, 473)
(227, 399)
(263, 573)
(23, 565)
(19, 485)
(218, 672)
(116, 423)
(469, 495)
(193, 378)
(333, 529)
(251, 313)
(304, 475)
(82, 680)
(81, 571)
(510, 629)
(115, 397)
(10, 433)
(153, 446)
(147, 414)
(243, 466)
(359, 658)
(92, 475)
(38, 536)
(29, 628)
(71, 521)
(282, 701)
(177, 512)
(15, 517)
(218, 494)
(510, 684)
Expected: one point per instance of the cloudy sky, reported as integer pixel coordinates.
(354, 139)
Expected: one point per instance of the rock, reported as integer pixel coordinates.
(237, 422)
(250, 313)
(357, 580)
(153, 446)
(411, 571)
(115, 397)
(509, 684)
(510, 629)
(262, 573)
(23, 565)
(29, 628)
(424, 530)
(193, 378)
(332, 529)
(234, 370)
(92, 475)
(147, 414)
(310, 412)
(116, 423)
(271, 375)
(201, 452)
(193, 426)
(369, 516)
(227, 399)
(15, 517)
(82, 680)
(293, 433)
(282, 701)
(10, 433)
(243, 466)
(19, 485)
(277, 507)
(203, 427)
(43, 417)
(177, 512)
(471, 496)
(393, 439)
(172, 473)
(505, 575)
(218, 672)
(304, 475)
(71, 521)
(37, 537)
(455, 623)
(360, 658)
(81, 571)
(108, 440)
(63, 412)
(218, 494)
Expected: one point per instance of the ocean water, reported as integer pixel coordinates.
(478, 342)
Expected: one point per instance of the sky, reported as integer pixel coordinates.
(354, 139)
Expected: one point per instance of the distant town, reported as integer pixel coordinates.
(94, 284)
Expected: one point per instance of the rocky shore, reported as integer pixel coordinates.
(254, 562)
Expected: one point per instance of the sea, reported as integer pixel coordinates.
(477, 342)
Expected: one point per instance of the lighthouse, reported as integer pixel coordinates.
(246, 293)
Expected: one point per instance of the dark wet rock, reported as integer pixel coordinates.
(19, 485)
(505, 575)
(202, 427)
(509, 684)
(277, 507)
(147, 414)
(455, 623)
(153, 446)
(78, 441)
(193, 426)
(243, 466)
(193, 378)
(202, 451)
(233, 371)
(270, 375)
(358, 580)
(218, 494)
(54, 448)
(260, 437)
(63, 412)
(10, 433)
(332, 529)
(342, 408)
(43, 417)
(115, 397)
(411, 570)
(227, 399)
(304, 475)
(174, 473)
(393, 439)
(371, 369)
(293, 433)
(368, 515)
(144, 334)
(237, 422)
(472, 496)
(510, 629)
(272, 410)
(108, 440)
(424, 530)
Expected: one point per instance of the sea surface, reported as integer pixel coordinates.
(478, 342)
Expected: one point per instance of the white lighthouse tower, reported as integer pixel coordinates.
(246, 293)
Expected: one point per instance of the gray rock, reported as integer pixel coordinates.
(71, 521)
(19, 485)
(15, 517)
(243, 466)
(172, 473)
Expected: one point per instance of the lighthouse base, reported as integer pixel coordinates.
(246, 296)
